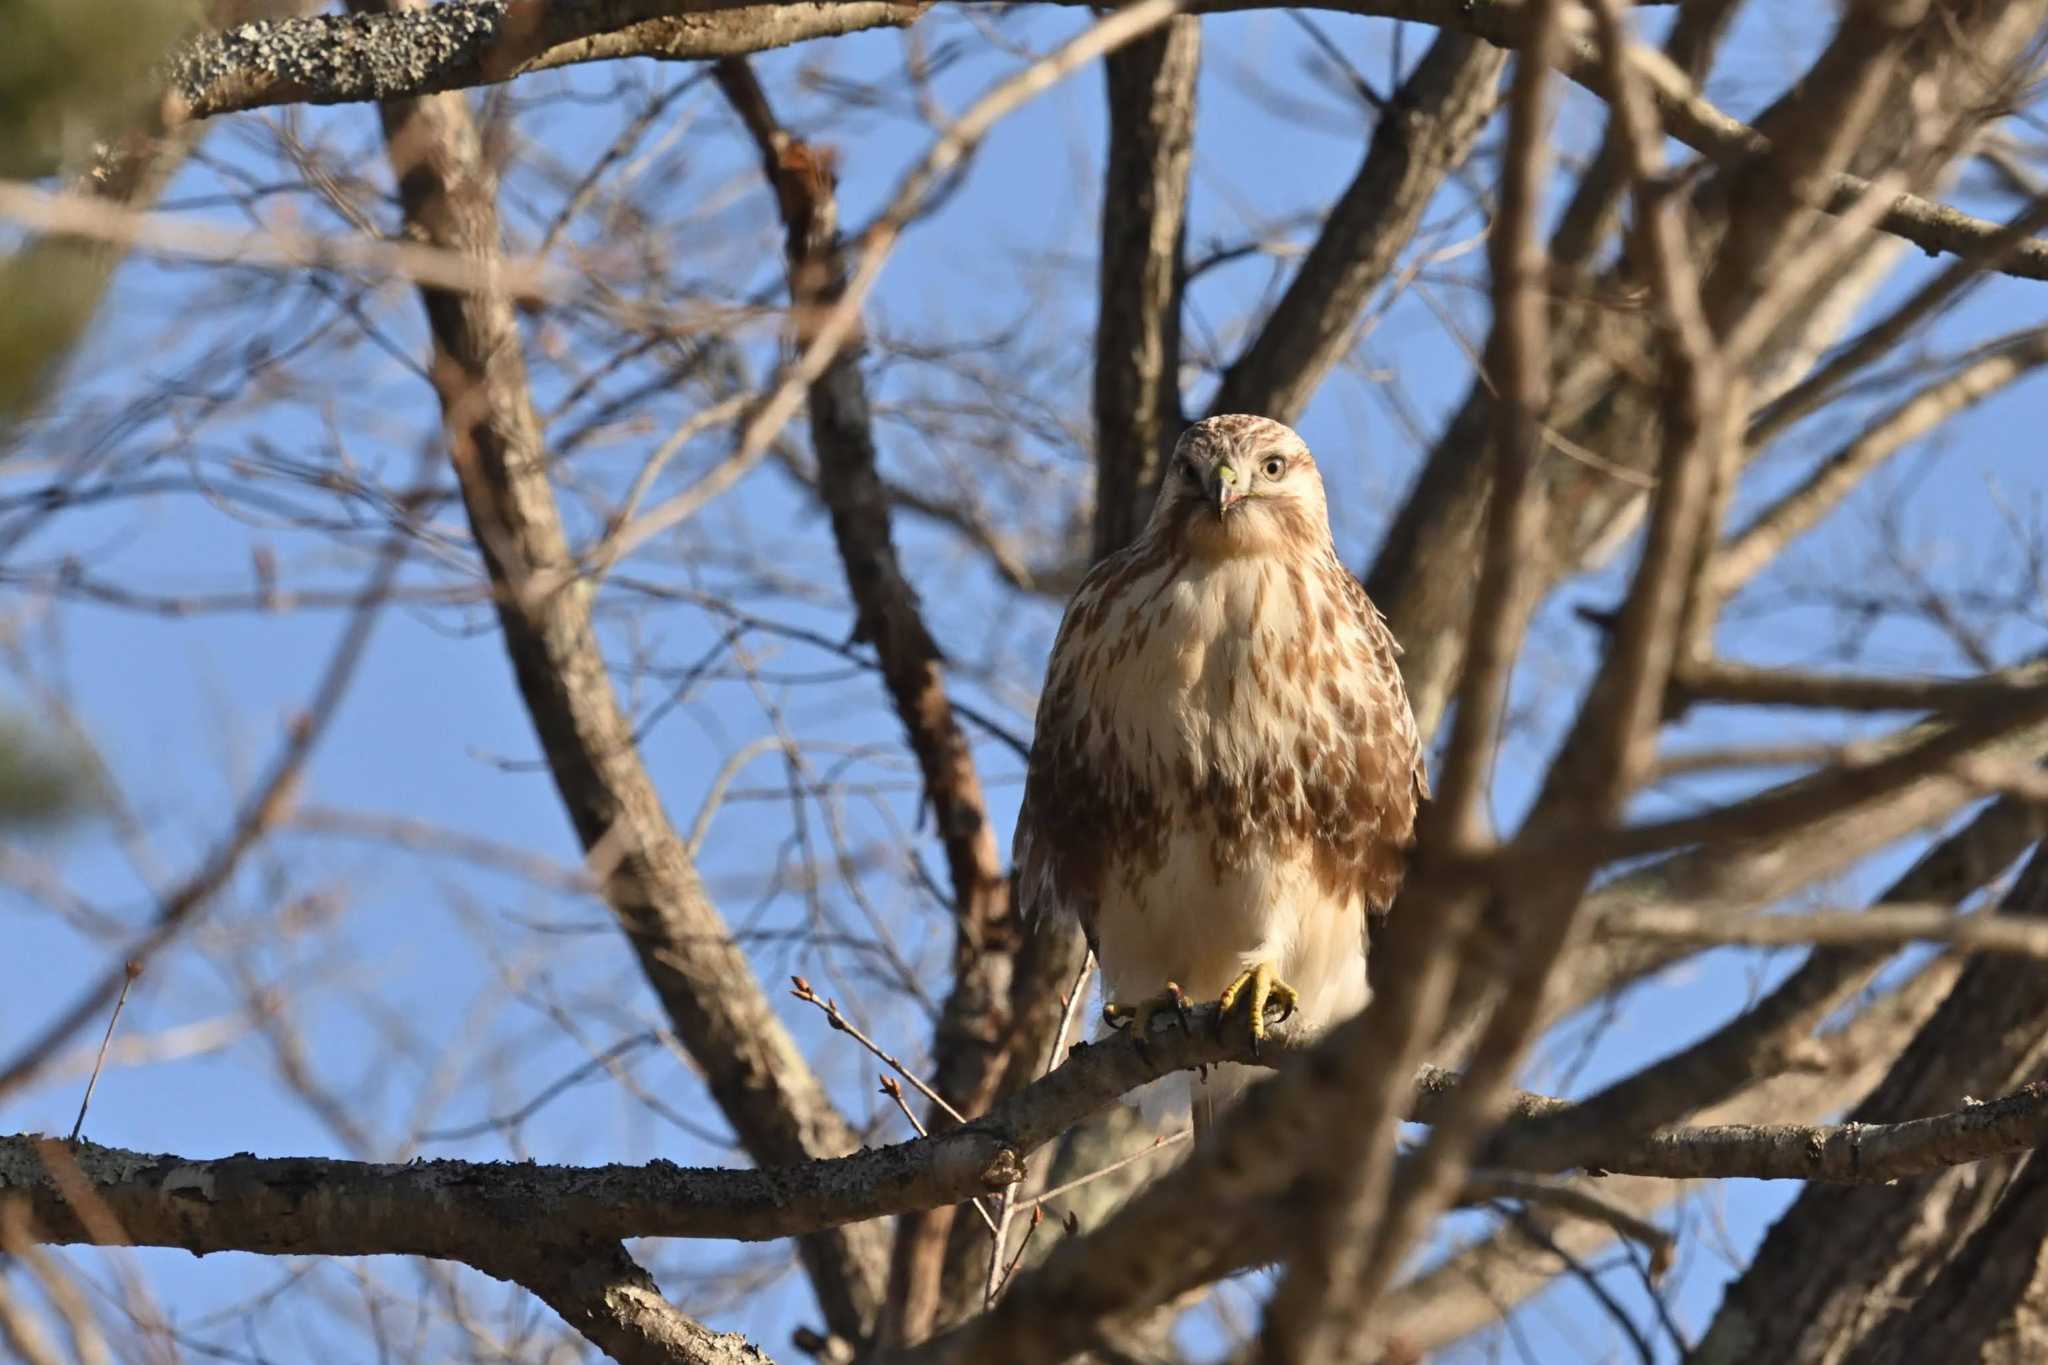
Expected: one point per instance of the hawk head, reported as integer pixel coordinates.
(1241, 485)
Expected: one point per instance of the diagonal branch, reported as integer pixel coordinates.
(751, 1064)
(968, 1049)
(610, 1298)
(1962, 752)
(1746, 552)
(1610, 743)
(1321, 1304)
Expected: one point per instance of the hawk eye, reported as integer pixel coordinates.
(1189, 473)
(1274, 467)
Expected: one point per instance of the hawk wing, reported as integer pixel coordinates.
(1403, 775)
(1064, 825)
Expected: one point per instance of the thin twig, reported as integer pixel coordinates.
(801, 989)
(1006, 1202)
(1482, 1184)
(1037, 1217)
(1071, 1004)
(274, 248)
(133, 969)
(894, 1091)
(1813, 392)
(837, 327)
(1150, 1149)
(267, 806)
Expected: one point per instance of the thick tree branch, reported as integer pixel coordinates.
(1611, 739)
(752, 1066)
(463, 43)
(1144, 217)
(607, 1296)
(472, 1212)
(457, 44)
(1984, 1307)
(1319, 1311)
(468, 1211)
(463, 1210)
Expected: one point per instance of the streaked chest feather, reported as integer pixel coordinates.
(1250, 705)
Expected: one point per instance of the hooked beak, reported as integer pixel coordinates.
(1226, 487)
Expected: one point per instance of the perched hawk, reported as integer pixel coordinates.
(1226, 769)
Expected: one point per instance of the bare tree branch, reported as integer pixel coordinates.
(1841, 1153)
(457, 44)
(1629, 385)
(1719, 1063)
(753, 1067)
(1983, 1308)
(1855, 1252)
(1611, 739)
(1056, 1311)
(260, 813)
(1144, 227)
(1888, 927)
(1320, 1309)
(1423, 573)
(1757, 544)
(1953, 751)
(1484, 1282)
(1722, 680)
(968, 1049)
(463, 1210)
(1876, 340)
(604, 1293)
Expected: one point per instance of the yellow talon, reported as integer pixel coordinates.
(1140, 1016)
(1260, 985)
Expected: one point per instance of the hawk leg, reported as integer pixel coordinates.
(1139, 1017)
(1259, 986)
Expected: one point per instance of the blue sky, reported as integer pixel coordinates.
(399, 970)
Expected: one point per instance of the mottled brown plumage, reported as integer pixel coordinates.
(1226, 771)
